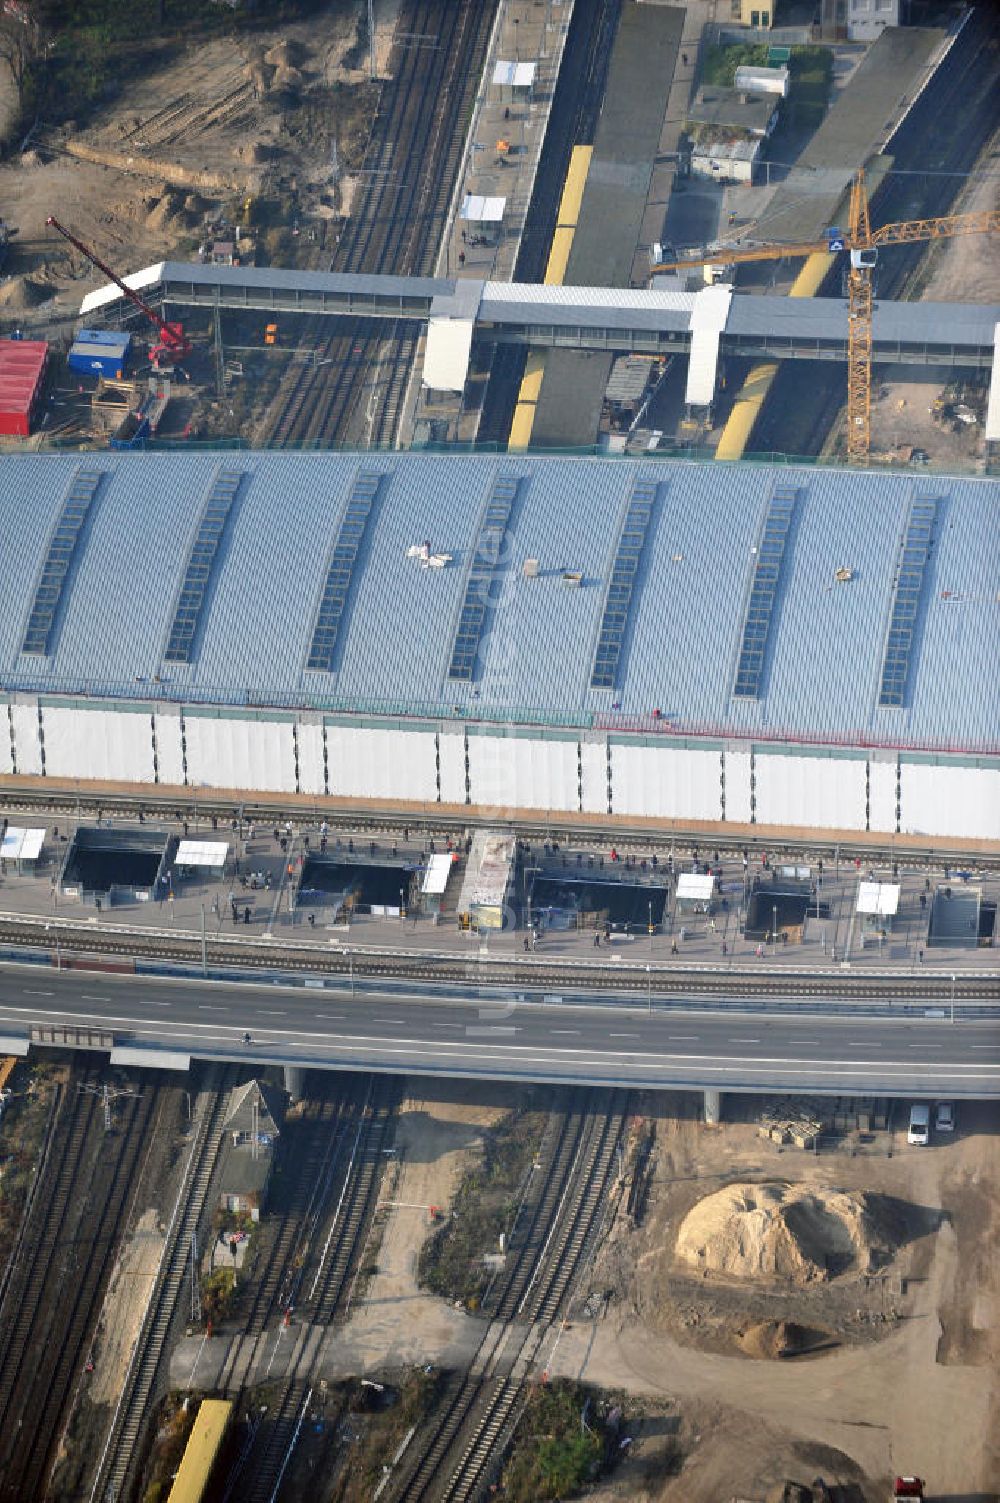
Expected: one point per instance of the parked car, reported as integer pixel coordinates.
(919, 1133)
(944, 1117)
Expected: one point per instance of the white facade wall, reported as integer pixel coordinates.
(514, 772)
(738, 786)
(667, 782)
(943, 800)
(310, 736)
(594, 777)
(114, 745)
(27, 747)
(374, 763)
(230, 752)
(826, 793)
(882, 792)
(6, 760)
(169, 752)
(451, 745)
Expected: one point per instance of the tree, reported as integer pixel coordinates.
(18, 49)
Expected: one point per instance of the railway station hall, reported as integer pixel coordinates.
(741, 645)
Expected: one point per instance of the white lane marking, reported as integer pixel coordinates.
(264, 1013)
(623, 1035)
(85, 998)
(744, 1041)
(207, 1007)
(683, 1038)
(925, 1046)
(29, 993)
(387, 1022)
(448, 1025)
(574, 1031)
(359, 1043)
(334, 1017)
(994, 1047)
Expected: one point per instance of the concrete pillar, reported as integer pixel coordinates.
(294, 1076)
(713, 1108)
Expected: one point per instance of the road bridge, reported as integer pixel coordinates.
(625, 1042)
(645, 321)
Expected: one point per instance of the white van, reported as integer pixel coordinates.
(920, 1125)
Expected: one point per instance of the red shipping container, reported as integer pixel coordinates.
(22, 374)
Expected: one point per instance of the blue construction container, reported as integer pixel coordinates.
(100, 352)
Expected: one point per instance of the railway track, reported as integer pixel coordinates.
(554, 1227)
(539, 979)
(118, 1461)
(311, 1161)
(66, 1253)
(73, 802)
(324, 1290)
(411, 161)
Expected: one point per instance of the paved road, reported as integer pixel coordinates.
(624, 1044)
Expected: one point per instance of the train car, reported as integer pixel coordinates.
(201, 1452)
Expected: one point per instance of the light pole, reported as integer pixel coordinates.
(650, 928)
(774, 930)
(953, 999)
(527, 871)
(204, 947)
(649, 990)
(402, 910)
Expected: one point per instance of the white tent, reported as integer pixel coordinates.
(211, 853)
(478, 209)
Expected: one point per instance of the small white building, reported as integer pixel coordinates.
(867, 19)
(751, 80)
(726, 161)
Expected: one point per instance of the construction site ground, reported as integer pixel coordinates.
(902, 1375)
(964, 269)
(915, 1393)
(191, 132)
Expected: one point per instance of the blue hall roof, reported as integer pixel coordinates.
(683, 620)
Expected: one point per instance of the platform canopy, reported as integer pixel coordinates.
(514, 75)
(879, 898)
(21, 845)
(437, 874)
(695, 887)
(211, 853)
(477, 209)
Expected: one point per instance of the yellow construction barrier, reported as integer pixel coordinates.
(555, 271)
(746, 408)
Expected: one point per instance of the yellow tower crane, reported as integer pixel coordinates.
(862, 244)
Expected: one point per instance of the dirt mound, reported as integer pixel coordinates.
(787, 1232)
(284, 55)
(789, 1492)
(30, 158)
(170, 212)
(21, 292)
(287, 78)
(771, 1340)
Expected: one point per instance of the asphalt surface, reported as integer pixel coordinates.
(623, 1044)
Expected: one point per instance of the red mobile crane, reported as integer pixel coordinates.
(173, 345)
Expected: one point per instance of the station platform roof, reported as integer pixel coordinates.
(641, 592)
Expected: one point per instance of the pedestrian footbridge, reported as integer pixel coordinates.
(660, 320)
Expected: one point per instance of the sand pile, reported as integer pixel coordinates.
(284, 55)
(169, 212)
(788, 1232)
(774, 1339)
(21, 292)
